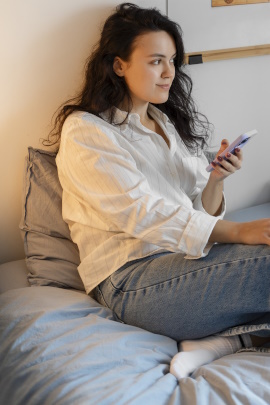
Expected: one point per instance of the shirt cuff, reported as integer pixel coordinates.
(195, 238)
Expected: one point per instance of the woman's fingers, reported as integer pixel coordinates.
(230, 163)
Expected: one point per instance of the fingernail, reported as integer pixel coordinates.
(237, 149)
(220, 158)
(214, 164)
(229, 154)
(224, 143)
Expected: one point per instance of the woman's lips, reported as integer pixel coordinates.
(164, 86)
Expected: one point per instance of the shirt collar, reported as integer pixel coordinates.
(156, 113)
(121, 115)
(128, 121)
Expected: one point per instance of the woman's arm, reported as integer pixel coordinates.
(212, 197)
(248, 233)
(212, 194)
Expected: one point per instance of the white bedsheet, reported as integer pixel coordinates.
(61, 347)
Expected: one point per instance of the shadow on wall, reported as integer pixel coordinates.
(43, 67)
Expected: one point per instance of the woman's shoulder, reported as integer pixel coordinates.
(87, 129)
(83, 118)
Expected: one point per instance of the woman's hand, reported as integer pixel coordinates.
(229, 166)
(249, 233)
(255, 232)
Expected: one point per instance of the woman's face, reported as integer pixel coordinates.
(150, 71)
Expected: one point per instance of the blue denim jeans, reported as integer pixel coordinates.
(226, 292)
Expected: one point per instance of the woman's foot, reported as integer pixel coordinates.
(195, 353)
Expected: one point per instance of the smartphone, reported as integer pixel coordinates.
(240, 142)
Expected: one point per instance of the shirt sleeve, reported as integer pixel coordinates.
(103, 178)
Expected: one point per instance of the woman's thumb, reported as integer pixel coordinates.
(224, 145)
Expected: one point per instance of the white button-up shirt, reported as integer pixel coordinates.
(127, 195)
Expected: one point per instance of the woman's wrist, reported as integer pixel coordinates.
(212, 197)
(249, 233)
(226, 232)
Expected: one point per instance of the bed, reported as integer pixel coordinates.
(59, 346)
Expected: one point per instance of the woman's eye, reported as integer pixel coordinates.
(158, 61)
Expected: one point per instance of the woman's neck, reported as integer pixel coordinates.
(141, 110)
(146, 119)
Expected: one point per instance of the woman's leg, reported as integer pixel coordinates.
(190, 299)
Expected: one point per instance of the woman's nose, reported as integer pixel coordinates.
(168, 71)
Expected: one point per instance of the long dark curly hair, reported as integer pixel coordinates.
(103, 89)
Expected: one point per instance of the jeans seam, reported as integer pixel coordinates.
(99, 291)
(178, 278)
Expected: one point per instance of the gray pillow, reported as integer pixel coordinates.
(210, 155)
(51, 256)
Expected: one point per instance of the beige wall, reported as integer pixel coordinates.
(43, 47)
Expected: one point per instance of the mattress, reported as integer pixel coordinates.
(61, 347)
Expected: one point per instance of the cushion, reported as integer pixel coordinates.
(13, 275)
(210, 155)
(51, 256)
(249, 214)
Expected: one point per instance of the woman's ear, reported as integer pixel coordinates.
(119, 66)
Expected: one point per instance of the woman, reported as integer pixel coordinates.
(141, 206)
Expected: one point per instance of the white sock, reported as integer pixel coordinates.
(195, 353)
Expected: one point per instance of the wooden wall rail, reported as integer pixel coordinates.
(220, 3)
(230, 53)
